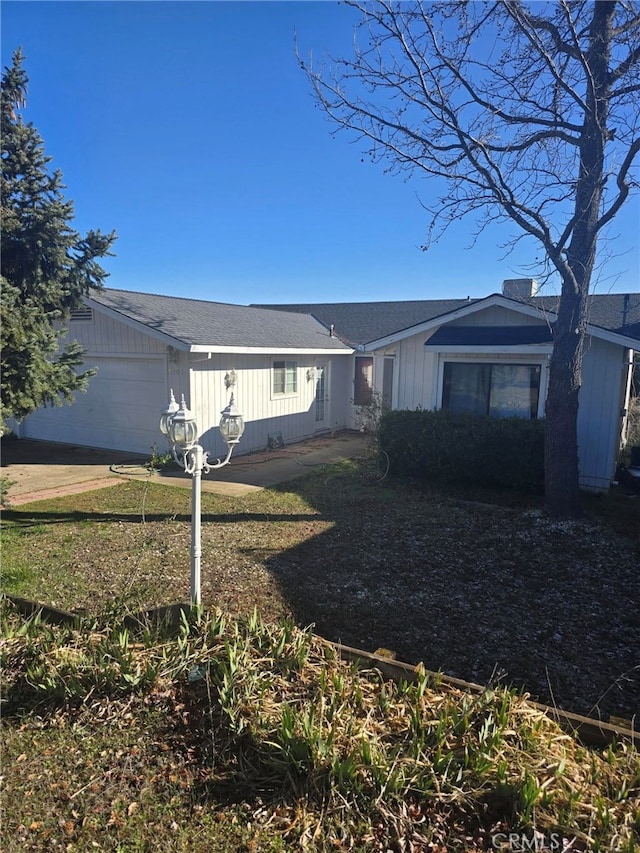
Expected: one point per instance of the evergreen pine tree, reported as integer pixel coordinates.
(46, 266)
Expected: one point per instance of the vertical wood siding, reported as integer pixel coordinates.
(105, 335)
(417, 371)
(599, 413)
(266, 416)
(418, 374)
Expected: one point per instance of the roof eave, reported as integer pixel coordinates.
(207, 348)
(614, 337)
(488, 302)
(510, 349)
(185, 346)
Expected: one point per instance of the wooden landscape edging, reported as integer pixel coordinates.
(50, 614)
(588, 730)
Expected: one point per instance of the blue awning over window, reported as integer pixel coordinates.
(485, 336)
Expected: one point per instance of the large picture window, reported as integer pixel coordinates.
(285, 377)
(500, 390)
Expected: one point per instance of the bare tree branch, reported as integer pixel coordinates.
(623, 185)
(526, 111)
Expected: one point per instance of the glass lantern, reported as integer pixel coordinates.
(231, 423)
(167, 414)
(182, 428)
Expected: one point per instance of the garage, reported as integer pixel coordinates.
(120, 410)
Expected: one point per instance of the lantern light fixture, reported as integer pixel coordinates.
(231, 423)
(183, 429)
(167, 414)
(230, 379)
(179, 425)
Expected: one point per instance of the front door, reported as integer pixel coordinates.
(387, 383)
(321, 403)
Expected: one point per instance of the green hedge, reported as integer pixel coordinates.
(443, 447)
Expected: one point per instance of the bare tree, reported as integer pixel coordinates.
(530, 112)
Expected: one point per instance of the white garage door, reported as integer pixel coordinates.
(120, 411)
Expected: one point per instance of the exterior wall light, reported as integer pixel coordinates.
(180, 427)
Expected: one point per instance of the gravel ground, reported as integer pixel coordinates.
(481, 593)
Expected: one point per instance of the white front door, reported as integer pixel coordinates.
(321, 402)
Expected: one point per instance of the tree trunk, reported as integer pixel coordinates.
(565, 370)
(561, 440)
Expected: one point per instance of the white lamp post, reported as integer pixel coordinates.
(179, 425)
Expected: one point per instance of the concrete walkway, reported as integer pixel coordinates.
(42, 470)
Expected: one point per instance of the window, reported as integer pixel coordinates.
(285, 377)
(363, 381)
(500, 390)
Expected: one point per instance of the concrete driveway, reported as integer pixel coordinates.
(41, 470)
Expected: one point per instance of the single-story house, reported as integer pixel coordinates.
(299, 370)
(276, 365)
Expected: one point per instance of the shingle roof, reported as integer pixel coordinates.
(363, 322)
(197, 322)
(614, 312)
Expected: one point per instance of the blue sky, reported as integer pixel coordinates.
(189, 129)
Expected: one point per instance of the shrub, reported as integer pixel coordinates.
(633, 431)
(159, 461)
(438, 446)
(5, 485)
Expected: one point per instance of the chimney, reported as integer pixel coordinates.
(519, 288)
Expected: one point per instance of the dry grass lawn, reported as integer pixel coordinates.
(483, 589)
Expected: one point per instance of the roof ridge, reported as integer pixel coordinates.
(97, 291)
(100, 290)
(368, 302)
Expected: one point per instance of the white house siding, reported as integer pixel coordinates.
(601, 396)
(599, 413)
(417, 370)
(418, 381)
(121, 406)
(106, 335)
(414, 373)
(267, 417)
